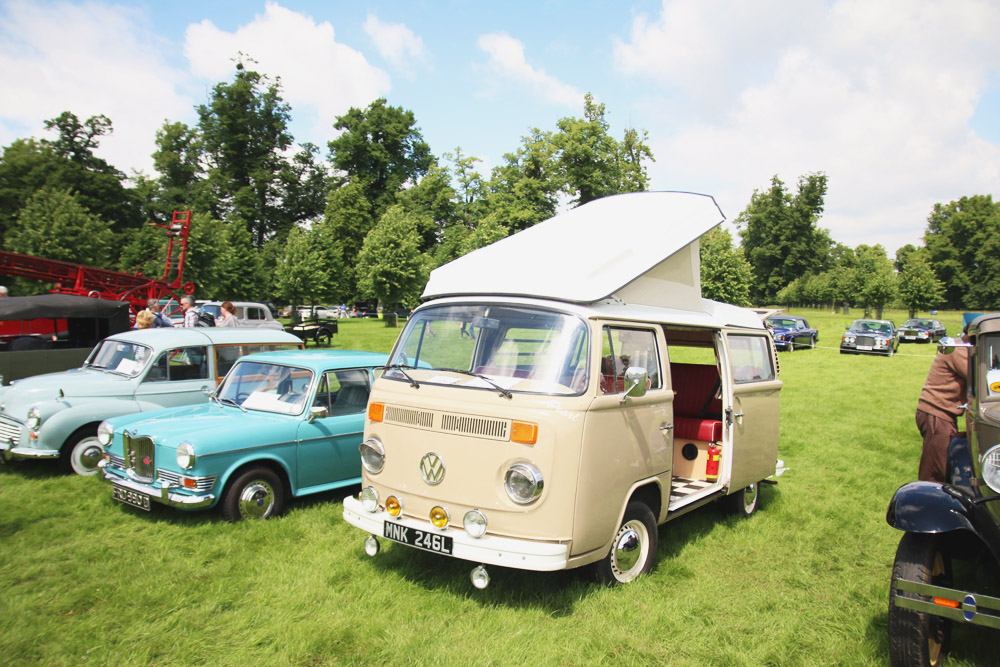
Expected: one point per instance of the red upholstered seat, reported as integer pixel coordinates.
(694, 387)
(691, 428)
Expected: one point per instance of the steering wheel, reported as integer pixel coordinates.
(242, 397)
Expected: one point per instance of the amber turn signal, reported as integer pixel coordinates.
(525, 433)
(393, 506)
(375, 411)
(439, 516)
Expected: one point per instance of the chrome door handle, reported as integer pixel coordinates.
(667, 427)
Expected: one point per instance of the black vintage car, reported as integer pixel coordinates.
(919, 330)
(947, 566)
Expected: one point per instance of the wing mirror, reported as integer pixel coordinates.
(636, 382)
(317, 412)
(948, 345)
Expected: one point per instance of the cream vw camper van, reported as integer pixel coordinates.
(566, 390)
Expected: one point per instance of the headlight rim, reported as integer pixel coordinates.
(188, 453)
(992, 452)
(529, 471)
(34, 420)
(375, 445)
(105, 433)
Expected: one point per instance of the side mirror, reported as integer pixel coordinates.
(317, 412)
(636, 381)
(948, 345)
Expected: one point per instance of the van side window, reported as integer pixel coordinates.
(752, 360)
(624, 348)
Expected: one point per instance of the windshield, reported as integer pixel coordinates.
(782, 322)
(991, 353)
(517, 348)
(267, 387)
(869, 326)
(116, 356)
(212, 309)
(919, 323)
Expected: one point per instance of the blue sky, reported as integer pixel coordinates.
(896, 100)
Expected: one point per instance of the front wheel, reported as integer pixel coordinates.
(82, 451)
(812, 343)
(917, 638)
(791, 346)
(256, 494)
(633, 550)
(744, 503)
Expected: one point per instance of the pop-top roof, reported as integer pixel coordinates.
(641, 248)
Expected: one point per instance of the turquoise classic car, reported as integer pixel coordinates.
(282, 424)
(55, 416)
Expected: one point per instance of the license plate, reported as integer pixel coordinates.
(864, 347)
(130, 497)
(421, 539)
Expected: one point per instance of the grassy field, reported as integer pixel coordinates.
(803, 582)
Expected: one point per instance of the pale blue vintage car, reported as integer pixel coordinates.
(281, 425)
(55, 416)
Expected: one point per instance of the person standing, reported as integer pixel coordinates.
(160, 320)
(938, 409)
(228, 318)
(190, 313)
(144, 319)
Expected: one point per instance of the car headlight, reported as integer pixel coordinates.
(34, 419)
(991, 468)
(185, 455)
(475, 523)
(523, 483)
(372, 455)
(369, 499)
(104, 433)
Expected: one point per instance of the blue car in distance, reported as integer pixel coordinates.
(791, 332)
(281, 425)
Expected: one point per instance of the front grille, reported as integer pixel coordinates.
(483, 427)
(866, 340)
(168, 478)
(10, 431)
(140, 456)
(408, 417)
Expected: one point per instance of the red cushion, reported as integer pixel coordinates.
(692, 428)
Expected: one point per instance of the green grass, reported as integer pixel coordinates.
(803, 582)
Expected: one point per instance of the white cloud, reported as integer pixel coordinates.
(508, 62)
(320, 77)
(397, 44)
(877, 95)
(88, 59)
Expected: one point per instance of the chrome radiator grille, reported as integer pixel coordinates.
(10, 430)
(140, 456)
(865, 340)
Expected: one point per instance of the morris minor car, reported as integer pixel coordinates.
(870, 337)
(921, 331)
(947, 566)
(790, 332)
(55, 416)
(281, 425)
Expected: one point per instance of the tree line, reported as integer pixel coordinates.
(371, 216)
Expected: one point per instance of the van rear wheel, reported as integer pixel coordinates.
(633, 551)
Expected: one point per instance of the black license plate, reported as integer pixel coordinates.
(421, 539)
(130, 497)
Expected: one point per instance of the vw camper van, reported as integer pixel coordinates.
(566, 390)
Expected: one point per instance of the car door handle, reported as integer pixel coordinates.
(667, 427)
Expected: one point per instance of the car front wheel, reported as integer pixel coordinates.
(82, 451)
(633, 550)
(256, 494)
(917, 638)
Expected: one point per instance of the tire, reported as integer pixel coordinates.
(633, 550)
(812, 343)
(917, 638)
(744, 503)
(81, 452)
(323, 337)
(256, 493)
(791, 345)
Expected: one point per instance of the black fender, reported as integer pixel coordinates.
(930, 507)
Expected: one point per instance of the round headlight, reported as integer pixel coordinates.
(439, 516)
(372, 455)
(185, 455)
(523, 483)
(393, 505)
(104, 433)
(991, 468)
(475, 523)
(369, 499)
(34, 419)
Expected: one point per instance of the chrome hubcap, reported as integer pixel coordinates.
(256, 500)
(86, 455)
(629, 550)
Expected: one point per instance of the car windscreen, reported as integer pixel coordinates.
(512, 348)
(782, 323)
(991, 352)
(116, 356)
(865, 326)
(267, 387)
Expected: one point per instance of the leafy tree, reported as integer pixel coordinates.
(390, 266)
(725, 274)
(779, 235)
(435, 199)
(488, 230)
(144, 250)
(178, 161)
(876, 278)
(919, 288)
(206, 240)
(381, 149)
(903, 255)
(961, 241)
(239, 273)
(343, 229)
(524, 189)
(300, 277)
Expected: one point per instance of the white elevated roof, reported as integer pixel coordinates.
(639, 248)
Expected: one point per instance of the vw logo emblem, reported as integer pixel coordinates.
(431, 468)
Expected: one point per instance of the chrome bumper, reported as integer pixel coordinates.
(165, 495)
(488, 549)
(8, 452)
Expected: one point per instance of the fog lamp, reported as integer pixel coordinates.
(480, 577)
(393, 506)
(475, 523)
(369, 499)
(371, 545)
(439, 516)
(991, 468)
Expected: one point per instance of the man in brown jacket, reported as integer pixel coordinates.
(938, 410)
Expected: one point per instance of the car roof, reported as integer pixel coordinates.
(180, 336)
(321, 359)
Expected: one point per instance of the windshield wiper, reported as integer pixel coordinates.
(229, 401)
(400, 367)
(503, 392)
